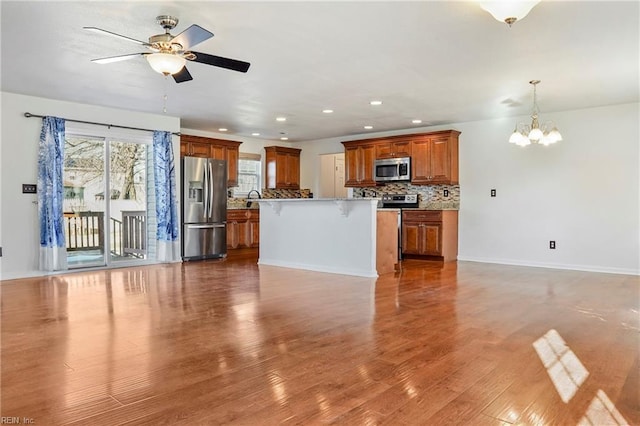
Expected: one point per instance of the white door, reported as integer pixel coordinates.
(332, 176)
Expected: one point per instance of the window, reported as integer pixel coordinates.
(249, 174)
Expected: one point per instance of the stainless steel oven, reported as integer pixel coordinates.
(399, 201)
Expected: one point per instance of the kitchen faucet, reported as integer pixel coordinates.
(249, 197)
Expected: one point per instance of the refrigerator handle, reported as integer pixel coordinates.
(206, 226)
(210, 191)
(205, 200)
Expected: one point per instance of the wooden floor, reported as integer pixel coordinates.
(228, 342)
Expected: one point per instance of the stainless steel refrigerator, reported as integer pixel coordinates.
(204, 208)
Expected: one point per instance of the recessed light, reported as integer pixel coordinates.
(368, 127)
(416, 121)
(223, 129)
(255, 134)
(327, 111)
(281, 118)
(376, 103)
(284, 138)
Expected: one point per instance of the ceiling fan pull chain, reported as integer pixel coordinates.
(165, 96)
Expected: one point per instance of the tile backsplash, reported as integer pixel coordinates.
(429, 196)
(286, 193)
(240, 202)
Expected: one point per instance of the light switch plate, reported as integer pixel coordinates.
(29, 188)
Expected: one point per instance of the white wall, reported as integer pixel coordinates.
(583, 192)
(19, 230)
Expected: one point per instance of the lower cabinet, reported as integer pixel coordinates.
(430, 234)
(243, 228)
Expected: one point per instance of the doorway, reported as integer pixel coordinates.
(332, 176)
(105, 201)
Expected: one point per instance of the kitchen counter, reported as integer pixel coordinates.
(254, 206)
(334, 235)
(433, 207)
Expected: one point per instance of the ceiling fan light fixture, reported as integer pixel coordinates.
(509, 11)
(166, 63)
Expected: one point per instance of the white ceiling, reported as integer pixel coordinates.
(441, 62)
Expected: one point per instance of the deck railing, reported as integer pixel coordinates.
(134, 233)
(85, 231)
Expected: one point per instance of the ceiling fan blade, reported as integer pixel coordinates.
(182, 75)
(117, 58)
(218, 61)
(101, 31)
(191, 36)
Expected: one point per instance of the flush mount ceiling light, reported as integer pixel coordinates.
(166, 63)
(509, 11)
(375, 103)
(368, 127)
(281, 118)
(525, 134)
(327, 111)
(223, 129)
(416, 121)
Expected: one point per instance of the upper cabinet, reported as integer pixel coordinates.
(220, 149)
(282, 167)
(358, 160)
(435, 158)
(394, 148)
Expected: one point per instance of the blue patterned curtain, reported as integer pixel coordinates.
(167, 246)
(53, 252)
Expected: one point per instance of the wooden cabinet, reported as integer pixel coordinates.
(220, 149)
(359, 158)
(394, 148)
(282, 167)
(431, 234)
(243, 228)
(435, 158)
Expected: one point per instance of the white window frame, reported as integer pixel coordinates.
(250, 157)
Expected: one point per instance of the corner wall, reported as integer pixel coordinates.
(583, 192)
(19, 229)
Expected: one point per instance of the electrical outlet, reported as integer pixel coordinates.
(493, 192)
(552, 245)
(445, 193)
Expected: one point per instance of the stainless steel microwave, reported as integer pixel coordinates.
(392, 169)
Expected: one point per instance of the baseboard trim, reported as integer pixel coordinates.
(585, 268)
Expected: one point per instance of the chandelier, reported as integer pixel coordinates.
(525, 134)
(509, 11)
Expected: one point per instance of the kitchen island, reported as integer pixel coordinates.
(326, 235)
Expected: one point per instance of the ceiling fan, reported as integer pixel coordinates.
(168, 54)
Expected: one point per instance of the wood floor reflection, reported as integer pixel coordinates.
(228, 342)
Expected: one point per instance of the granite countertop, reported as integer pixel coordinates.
(268, 200)
(254, 206)
(435, 206)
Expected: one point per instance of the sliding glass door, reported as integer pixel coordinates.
(105, 190)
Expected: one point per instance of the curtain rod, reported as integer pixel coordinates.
(29, 115)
